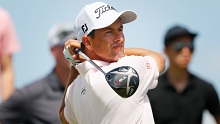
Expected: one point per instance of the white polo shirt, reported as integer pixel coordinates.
(90, 99)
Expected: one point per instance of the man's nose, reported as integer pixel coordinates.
(186, 49)
(119, 38)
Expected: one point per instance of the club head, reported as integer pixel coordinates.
(123, 80)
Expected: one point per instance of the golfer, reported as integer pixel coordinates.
(88, 98)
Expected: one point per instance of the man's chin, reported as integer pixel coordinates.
(183, 66)
(120, 54)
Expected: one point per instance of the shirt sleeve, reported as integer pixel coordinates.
(147, 70)
(213, 104)
(152, 66)
(8, 38)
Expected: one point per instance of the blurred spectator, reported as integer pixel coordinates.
(8, 46)
(38, 102)
(181, 97)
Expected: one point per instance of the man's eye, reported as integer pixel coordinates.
(120, 29)
(107, 32)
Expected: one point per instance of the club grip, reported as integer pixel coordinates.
(76, 50)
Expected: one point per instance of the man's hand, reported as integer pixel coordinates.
(69, 53)
(69, 57)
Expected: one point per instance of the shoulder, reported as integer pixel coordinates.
(137, 60)
(5, 17)
(200, 81)
(203, 86)
(25, 95)
(35, 88)
(4, 13)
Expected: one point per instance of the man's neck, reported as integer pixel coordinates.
(178, 77)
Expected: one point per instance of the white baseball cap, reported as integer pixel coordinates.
(99, 15)
(60, 33)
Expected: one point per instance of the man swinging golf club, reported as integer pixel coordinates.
(89, 97)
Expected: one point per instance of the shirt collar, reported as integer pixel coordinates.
(84, 67)
(167, 83)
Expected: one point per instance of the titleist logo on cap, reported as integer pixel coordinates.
(103, 9)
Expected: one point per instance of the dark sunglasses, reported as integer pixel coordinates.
(178, 46)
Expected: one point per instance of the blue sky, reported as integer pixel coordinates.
(33, 19)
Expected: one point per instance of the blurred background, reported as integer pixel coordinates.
(32, 20)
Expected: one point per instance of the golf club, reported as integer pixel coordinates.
(123, 80)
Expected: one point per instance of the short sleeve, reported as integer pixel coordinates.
(152, 65)
(213, 104)
(147, 70)
(8, 38)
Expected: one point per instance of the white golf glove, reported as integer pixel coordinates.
(69, 57)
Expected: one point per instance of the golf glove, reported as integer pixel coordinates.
(69, 57)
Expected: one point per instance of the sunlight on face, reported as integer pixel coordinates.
(108, 44)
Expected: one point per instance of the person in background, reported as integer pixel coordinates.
(8, 46)
(38, 102)
(181, 97)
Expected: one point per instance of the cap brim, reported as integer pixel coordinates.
(169, 39)
(128, 16)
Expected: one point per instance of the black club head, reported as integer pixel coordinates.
(123, 80)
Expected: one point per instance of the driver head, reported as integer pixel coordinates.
(123, 80)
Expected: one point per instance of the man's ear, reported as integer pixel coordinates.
(165, 50)
(87, 42)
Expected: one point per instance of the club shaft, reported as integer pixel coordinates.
(89, 60)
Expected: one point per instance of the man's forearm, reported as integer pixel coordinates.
(7, 81)
(72, 76)
(138, 52)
